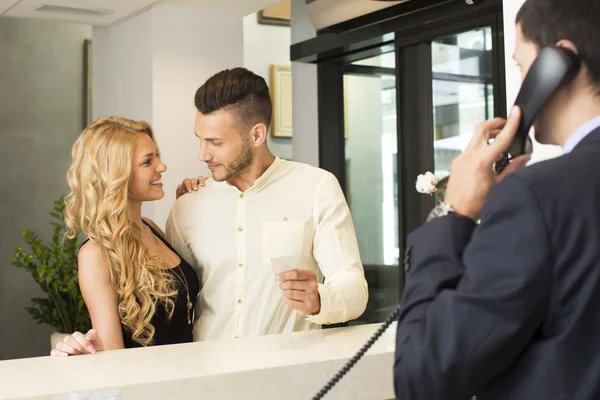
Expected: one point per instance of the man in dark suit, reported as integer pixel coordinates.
(510, 308)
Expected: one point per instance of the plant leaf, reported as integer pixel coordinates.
(54, 267)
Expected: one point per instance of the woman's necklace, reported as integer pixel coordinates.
(188, 305)
(169, 260)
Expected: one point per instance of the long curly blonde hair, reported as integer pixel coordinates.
(97, 206)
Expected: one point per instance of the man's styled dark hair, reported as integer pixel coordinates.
(545, 22)
(239, 91)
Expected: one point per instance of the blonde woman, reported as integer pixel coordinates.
(138, 290)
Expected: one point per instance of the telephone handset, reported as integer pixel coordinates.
(553, 67)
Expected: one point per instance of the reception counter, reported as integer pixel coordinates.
(286, 366)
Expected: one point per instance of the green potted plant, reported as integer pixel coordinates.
(54, 267)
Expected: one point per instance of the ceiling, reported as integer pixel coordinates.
(94, 12)
(107, 12)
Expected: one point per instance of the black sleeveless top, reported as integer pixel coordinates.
(174, 330)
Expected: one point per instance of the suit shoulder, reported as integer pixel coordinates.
(555, 182)
(560, 171)
(540, 168)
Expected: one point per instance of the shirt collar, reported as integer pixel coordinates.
(580, 133)
(264, 178)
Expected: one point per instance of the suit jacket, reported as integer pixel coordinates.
(510, 308)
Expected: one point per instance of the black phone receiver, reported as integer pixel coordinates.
(553, 68)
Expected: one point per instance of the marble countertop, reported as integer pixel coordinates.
(290, 366)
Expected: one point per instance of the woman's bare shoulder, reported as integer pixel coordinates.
(91, 261)
(153, 225)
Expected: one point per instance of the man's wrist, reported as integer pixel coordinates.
(444, 209)
(318, 308)
(461, 212)
(441, 210)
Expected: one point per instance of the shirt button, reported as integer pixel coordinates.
(240, 265)
(241, 195)
(240, 229)
(239, 301)
(236, 336)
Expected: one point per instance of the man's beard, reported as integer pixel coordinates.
(239, 164)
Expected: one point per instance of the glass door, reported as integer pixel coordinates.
(448, 90)
(370, 133)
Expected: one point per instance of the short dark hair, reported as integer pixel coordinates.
(237, 90)
(545, 22)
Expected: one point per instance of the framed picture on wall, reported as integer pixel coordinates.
(277, 14)
(281, 96)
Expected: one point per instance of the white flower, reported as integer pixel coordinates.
(426, 183)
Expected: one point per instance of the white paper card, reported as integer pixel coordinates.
(282, 239)
(284, 264)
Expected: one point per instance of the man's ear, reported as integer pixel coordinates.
(567, 44)
(583, 75)
(258, 134)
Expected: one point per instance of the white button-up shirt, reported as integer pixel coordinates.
(293, 210)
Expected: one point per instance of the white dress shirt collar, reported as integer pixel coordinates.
(580, 133)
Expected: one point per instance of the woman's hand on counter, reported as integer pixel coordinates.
(78, 343)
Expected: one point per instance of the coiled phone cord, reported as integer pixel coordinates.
(393, 317)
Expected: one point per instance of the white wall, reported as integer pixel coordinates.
(149, 67)
(189, 47)
(513, 75)
(265, 45)
(121, 69)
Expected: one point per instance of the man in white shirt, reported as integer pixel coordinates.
(260, 215)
